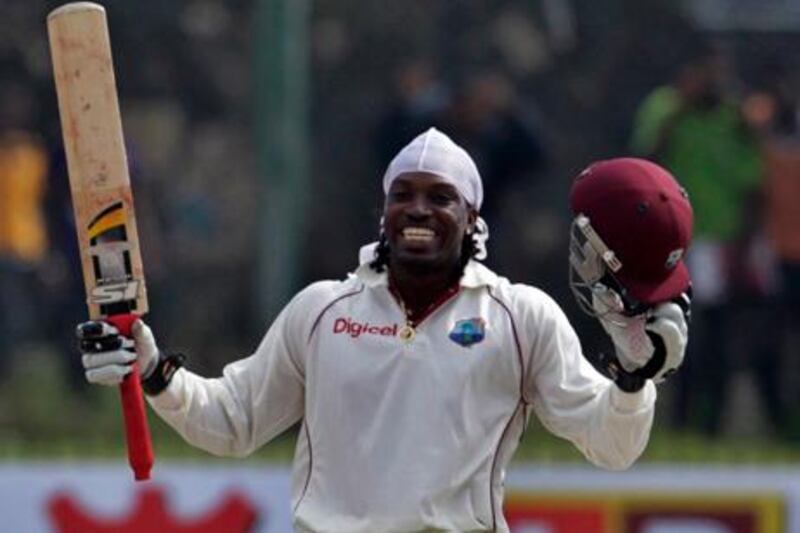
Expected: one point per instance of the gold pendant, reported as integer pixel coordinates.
(406, 333)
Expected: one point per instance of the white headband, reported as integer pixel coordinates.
(436, 153)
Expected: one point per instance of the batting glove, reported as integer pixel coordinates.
(108, 357)
(648, 346)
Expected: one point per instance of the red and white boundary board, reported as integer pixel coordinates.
(241, 497)
(249, 497)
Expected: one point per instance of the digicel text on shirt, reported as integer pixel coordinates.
(356, 329)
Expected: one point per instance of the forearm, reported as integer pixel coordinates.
(206, 413)
(663, 136)
(256, 399)
(619, 432)
(610, 427)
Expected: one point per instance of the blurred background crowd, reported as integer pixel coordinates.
(535, 91)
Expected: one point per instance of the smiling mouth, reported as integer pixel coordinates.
(415, 234)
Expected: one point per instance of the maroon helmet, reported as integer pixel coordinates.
(632, 228)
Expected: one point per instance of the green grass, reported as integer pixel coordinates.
(41, 418)
(669, 446)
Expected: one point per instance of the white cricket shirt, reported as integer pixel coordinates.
(409, 435)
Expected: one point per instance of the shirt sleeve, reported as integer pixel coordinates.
(650, 118)
(254, 400)
(574, 401)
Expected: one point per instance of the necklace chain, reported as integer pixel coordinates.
(413, 323)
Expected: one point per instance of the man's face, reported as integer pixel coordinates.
(700, 83)
(425, 219)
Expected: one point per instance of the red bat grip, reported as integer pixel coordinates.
(137, 432)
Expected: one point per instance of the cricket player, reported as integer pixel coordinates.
(415, 376)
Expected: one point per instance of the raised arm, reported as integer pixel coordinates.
(574, 401)
(254, 400)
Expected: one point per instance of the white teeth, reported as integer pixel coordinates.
(418, 234)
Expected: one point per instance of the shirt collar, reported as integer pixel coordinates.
(475, 275)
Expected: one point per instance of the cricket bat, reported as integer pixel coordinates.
(101, 192)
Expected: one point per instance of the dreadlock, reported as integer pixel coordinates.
(468, 251)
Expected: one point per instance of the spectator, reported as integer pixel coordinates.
(773, 109)
(486, 117)
(697, 131)
(23, 235)
(419, 97)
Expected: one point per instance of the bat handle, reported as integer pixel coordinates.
(137, 432)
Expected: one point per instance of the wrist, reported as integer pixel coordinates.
(629, 381)
(162, 372)
(632, 402)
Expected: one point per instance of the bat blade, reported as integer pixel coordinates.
(101, 192)
(96, 159)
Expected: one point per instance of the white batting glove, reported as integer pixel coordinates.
(108, 357)
(667, 321)
(651, 345)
